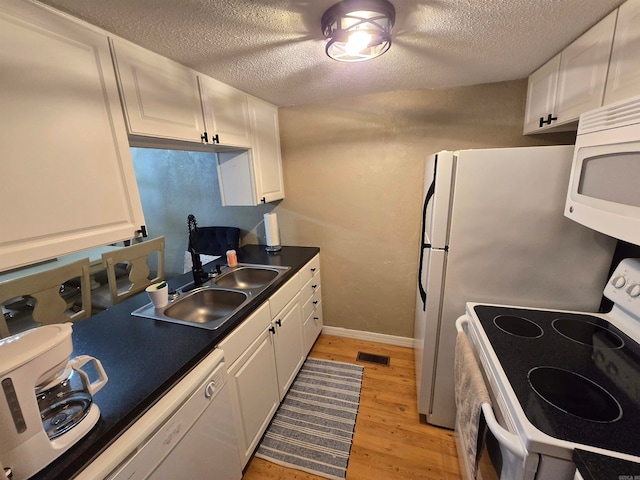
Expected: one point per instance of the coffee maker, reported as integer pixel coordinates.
(46, 399)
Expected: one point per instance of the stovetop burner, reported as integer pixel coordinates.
(574, 394)
(574, 375)
(519, 326)
(585, 332)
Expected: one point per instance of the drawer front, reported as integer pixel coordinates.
(311, 303)
(310, 270)
(312, 327)
(311, 288)
(284, 295)
(244, 335)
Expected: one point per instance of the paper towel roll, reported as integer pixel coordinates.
(271, 229)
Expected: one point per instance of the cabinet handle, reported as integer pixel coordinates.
(550, 118)
(315, 302)
(272, 329)
(204, 137)
(215, 139)
(316, 318)
(313, 270)
(314, 286)
(279, 322)
(263, 199)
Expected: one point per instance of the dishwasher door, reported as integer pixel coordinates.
(188, 433)
(197, 441)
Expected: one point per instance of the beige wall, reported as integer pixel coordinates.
(353, 172)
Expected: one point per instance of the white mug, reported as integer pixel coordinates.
(159, 296)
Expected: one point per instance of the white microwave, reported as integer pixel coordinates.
(604, 187)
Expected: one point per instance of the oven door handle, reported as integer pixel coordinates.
(461, 322)
(502, 435)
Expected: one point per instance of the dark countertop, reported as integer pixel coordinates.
(145, 358)
(593, 466)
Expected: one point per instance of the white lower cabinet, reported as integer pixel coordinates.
(264, 355)
(288, 343)
(311, 303)
(253, 378)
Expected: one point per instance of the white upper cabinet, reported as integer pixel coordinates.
(160, 97)
(541, 95)
(583, 71)
(254, 177)
(623, 80)
(265, 132)
(226, 113)
(572, 82)
(163, 99)
(68, 179)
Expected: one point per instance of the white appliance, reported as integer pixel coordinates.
(558, 380)
(604, 193)
(46, 399)
(188, 433)
(493, 230)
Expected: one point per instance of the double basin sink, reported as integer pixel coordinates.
(217, 300)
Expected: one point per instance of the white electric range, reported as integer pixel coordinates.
(558, 380)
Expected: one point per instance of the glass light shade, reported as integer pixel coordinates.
(358, 30)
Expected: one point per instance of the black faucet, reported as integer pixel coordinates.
(199, 275)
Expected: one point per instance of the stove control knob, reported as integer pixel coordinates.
(634, 290)
(618, 281)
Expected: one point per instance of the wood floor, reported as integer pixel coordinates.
(389, 441)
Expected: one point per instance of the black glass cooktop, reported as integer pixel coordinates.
(576, 376)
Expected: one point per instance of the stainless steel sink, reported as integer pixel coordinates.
(248, 277)
(211, 305)
(205, 307)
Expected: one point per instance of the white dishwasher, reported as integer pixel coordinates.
(189, 433)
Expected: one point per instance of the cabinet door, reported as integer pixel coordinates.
(623, 80)
(68, 179)
(226, 113)
(254, 388)
(288, 344)
(160, 97)
(541, 95)
(583, 71)
(266, 154)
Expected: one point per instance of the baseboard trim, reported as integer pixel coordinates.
(369, 336)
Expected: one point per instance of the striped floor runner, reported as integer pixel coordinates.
(313, 427)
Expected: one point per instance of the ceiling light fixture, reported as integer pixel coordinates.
(358, 30)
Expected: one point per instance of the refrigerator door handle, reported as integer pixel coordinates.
(423, 243)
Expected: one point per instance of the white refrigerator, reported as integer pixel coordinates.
(493, 231)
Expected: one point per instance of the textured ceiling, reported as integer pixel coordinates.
(274, 49)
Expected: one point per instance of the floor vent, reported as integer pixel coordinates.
(373, 358)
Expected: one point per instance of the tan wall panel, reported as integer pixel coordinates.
(353, 172)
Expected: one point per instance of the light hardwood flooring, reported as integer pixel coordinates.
(389, 441)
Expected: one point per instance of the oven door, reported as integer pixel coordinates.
(500, 453)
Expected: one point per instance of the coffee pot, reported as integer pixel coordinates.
(46, 398)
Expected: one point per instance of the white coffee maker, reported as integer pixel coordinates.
(46, 399)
